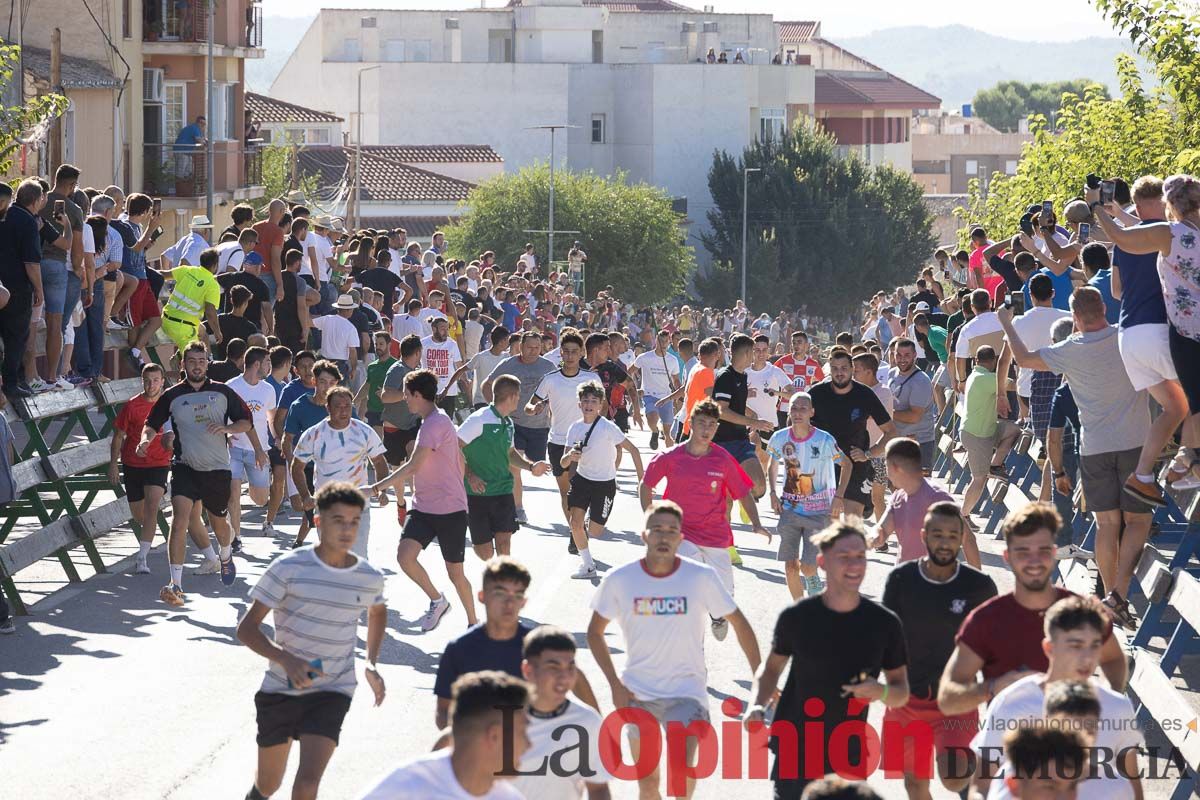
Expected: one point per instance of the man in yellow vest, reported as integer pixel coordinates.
(196, 294)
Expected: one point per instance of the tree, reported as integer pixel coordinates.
(277, 170)
(16, 121)
(630, 231)
(1004, 105)
(821, 227)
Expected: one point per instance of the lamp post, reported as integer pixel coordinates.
(358, 152)
(745, 186)
(550, 230)
(209, 102)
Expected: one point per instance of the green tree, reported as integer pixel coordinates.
(277, 163)
(1004, 105)
(16, 121)
(630, 232)
(821, 227)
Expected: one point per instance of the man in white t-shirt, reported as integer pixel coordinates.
(564, 736)
(247, 456)
(339, 337)
(767, 386)
(656, 370)
(985, 322)
(230, 256)
(528, 260)
(488, 731)
(559, 390)
(663, 605)
(404, 324)
(441, 356)
(482, 363)
(1074, 632)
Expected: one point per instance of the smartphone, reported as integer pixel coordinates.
(1085, 232)
(1108, 190)
(1047, 211)
(157, 206)
(60, 207)
(156, 233)
(1093, 180)
(1008, 300)
(316, 662)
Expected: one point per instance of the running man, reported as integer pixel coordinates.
(145, 475)
(661, 603)
(802, 370)
(699, 478)
(487, 444)
(247, 458)
(439, 507)
(202, 414)
(659, 379)
(281, 368)
(932, 596)
(317, 595)
(769, 386)
(441, 356)
(196, 294)
(731, 391)
(307, 410)
(590, 461)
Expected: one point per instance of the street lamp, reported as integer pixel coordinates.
(358, 153)
(745, 186)
(550, 231)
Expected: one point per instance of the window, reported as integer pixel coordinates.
(293, 135)
(223, 125)
(174, 109)
(972, 167)
(772, 122)
(597, 47)
(393, 50)
(125, 32)
(1010, 167)
(351, 49)
(316, 136)
(419, 50)
(597, 129)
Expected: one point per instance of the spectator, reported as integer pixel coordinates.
(188, 249)
(912, 393)
(987, 439)
(21, 274)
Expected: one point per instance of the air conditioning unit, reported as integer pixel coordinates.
(152, 86)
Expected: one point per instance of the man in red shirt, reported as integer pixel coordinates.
(270, 248)
(699, 478)
(1002, 638)
(803, 371)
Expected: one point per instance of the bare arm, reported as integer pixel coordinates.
(1114, 664)
(1116, 288)
(1139, 239)
(746, 639)
(958, 691)
(405, 471)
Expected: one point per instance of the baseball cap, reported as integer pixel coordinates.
(253, 258)
(922, 306)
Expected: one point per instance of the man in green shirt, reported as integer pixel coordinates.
(934, 334)
(986, 438)
(196, 294)
(368, 399)
(487, 443)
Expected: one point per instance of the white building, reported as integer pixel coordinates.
(630, 76)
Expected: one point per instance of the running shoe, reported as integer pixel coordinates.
(142, 568)
(654, 441)
(720, 629)
(735, 557)
(7, 627)
(1187, 482)
(1072, 551)
(62, 385)
(814, 584)
(83, 383)
(236, 545)
(38, 386)
(521, 518)
(1150, 492)
(211, 566)
(228, 571)
(437, 610)
(268, 529)
(113, 325)
(998, 473)
(585, 573)
(172, 595)
(134, 361)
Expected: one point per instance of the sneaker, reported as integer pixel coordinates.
(211, 566)
(720, 629)
(228, 571)
(585, 573)
(134, 361)
(521, 518)
(735, 557)
(142, 568)
(172, 595)
(742, 515)
(1072, 551)
(83, 383)
(1146, 492)
(654, 441)
(1187, 482)
(268, 529)
(62, 385)
(571, 548)
(113, 325)
(17, 392)
(37, 386)
(7, 627)
(883, 548)
(236, 545)
(437, 610)
(814, 585)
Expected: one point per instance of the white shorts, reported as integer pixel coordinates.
(715, 557)
(1146, 351)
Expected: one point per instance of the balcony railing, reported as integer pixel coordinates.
(175, 20)
(252, 163)
(254, 25)
(176, 170)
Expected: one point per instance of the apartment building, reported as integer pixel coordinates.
(949, 150)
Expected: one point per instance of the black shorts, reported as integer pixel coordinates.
(210, 487)
(276, 457)
(450, 530)
(554, 454)
(1185, 353)
(488, 515)
(396, 443)
(374, 418)
(861, 474)
(282, 717)
(530, 441)
(138, 478)
(621, 419)
(449, 404)
(595, 497)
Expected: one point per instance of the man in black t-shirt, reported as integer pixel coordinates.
(386, 282)
(932, 596)
(838, 642)
(247, 276)
(617, 383)
(842, 407)
(730, 391)
(20, 272)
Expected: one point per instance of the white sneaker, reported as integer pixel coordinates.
(113, 325)
(211, 566)
(39, 386)
(1187, 482)
(437, 610)
(585, 573)
(268, 529)
(62, 385)
(720, 629)
(142, 568)
(1073, 551)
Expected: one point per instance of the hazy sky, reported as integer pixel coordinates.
(1056, 19)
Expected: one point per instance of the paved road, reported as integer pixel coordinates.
(106, 692)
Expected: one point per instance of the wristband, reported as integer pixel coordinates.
(1060, 475)
(883, 699)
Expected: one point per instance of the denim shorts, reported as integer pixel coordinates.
(73, 295)
(242, 468)
(268, 277)
(54, 285)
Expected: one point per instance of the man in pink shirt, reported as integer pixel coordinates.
(439, 500)
(701, 478)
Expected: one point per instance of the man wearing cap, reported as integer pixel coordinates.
(320, 254)
(187, 250)
(339, 337)
(250, 277)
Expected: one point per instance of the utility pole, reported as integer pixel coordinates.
(208, 115)
(358, 152)
(550, 231)
(745, 186)
(55, 151)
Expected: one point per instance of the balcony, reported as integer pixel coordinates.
(181, 171)
(181, 26)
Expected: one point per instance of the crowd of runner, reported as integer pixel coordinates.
(331, 370)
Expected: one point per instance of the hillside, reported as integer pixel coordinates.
(280, 37)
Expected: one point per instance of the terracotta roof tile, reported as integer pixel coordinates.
(415, 227)
(270, 109)
(870, 88)
(435, 153)
(383, 180)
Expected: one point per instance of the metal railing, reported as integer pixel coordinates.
(175, 20)
(254, 25)
(252, 163)
(173, 170)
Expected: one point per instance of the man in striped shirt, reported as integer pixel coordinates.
(317, 594)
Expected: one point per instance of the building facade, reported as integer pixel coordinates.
(949, 150)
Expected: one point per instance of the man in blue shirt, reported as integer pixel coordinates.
(188, 144)
(1098, 269)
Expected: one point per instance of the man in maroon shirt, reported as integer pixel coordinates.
(1002, 639)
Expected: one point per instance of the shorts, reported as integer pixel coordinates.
(488, 515)
(449, 404)
(1103, 476)
(554, 454)
(283, 717)
(1185, 353)
(715, 557)
(795, 536)
(374, 418)
(209, 487)
(136, 480)
(980, 449)
(181, 332)
(1146, 352)
(143, 304)
(741, 449)
(594, 497)
(276, 457)
(243, 468)
(396, 441)
(1042, 387)
(54, 285)
(927, 452)
(650, 404)
(531, 441)
(450, 530)
(949, 731)
(684, 710)
(621, 420)
(942, 377)
(859, 490)
(268, 277)
(880, 467)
